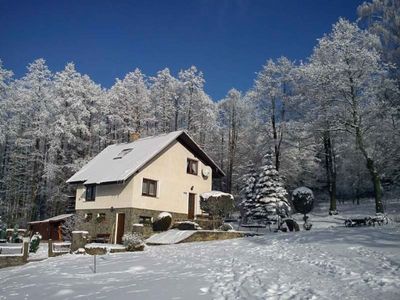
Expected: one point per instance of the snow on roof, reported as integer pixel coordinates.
(53, 219)
(108, 166)
(215, 194)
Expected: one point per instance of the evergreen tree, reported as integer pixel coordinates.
(271, 196)
(248, 192)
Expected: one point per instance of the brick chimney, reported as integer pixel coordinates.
(134, 136)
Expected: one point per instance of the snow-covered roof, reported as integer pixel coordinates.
(53, 219)
(116, 164)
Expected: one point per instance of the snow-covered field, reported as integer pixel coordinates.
(328, 262)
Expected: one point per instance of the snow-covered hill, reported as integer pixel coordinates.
(328, 262)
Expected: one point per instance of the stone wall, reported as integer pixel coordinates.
(15, 259)
(107, 226)
(205, 235)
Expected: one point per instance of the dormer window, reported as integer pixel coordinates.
(123, 153)
(191, 166)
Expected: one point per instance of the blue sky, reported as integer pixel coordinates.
(228, 40)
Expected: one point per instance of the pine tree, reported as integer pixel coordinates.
(248, 192)
(271, 196)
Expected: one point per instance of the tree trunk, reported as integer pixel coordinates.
(376, 181)
(222, 159)
(275, 135)
(377, 185)
(232, 148)
(330, 167)
(176, 107)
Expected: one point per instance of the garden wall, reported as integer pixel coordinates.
(10, 260)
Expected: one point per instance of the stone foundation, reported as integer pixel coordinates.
(107, 225)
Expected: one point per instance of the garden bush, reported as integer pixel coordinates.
(35, 242)
(162, 222)
(133, 242)
(303, 200)
(226, 227)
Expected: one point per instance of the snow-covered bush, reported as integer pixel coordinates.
(162, 222)
(133, 242)
(303, 200)
(80, 251)
(217, 204)
(35, 242)
(15, 237)
(186, 225)
(226, 227)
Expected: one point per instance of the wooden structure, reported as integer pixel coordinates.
(49, 228)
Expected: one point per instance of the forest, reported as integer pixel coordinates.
(331, 122)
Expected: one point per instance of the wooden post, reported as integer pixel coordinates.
(25, 250)
(50, 253)
(94, 263)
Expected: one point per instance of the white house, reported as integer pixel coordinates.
(132, 182)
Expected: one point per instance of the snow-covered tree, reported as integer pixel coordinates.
(381, 17)
(164, 93)
(129, 109)
(231, 119)
(248, 191)
(274, 88)
(192, 83)
(27, 134)
(76, 127)
(350, 56)
(271, 195)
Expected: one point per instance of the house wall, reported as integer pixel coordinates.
(116, 195)
(174, 186)
(173, 183)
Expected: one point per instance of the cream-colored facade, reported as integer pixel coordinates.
(173, 185)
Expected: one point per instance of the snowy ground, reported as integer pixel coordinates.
(328, 262)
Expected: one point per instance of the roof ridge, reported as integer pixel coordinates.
(148, 137)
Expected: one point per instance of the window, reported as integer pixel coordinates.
(90, 192)
(149, 187)
(123, 153)
(191, 166)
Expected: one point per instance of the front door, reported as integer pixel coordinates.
(120, 227)
(191, 206)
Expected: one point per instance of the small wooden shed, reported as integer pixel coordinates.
(49, 228)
